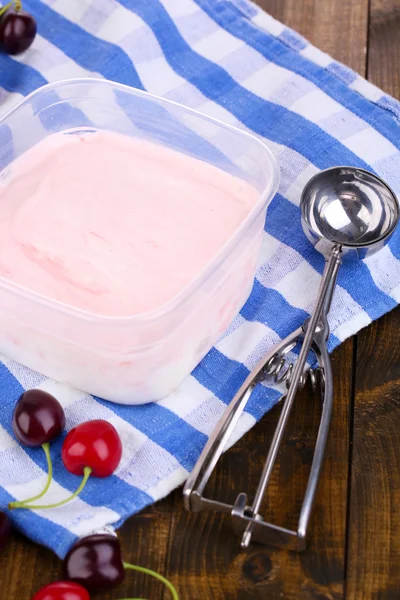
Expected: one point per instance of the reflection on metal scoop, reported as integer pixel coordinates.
(347, 213)
(351, 208)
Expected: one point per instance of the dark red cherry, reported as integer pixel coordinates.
(95, 562)
(38, 418)
(17, 31)
(62, 590)
(5, 530)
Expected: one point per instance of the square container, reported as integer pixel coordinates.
(142, 358)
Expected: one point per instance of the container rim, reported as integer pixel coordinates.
(168, 307)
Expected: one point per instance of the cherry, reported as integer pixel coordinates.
(17, 29)
(95, 444)
(38, 418)
(95, 562)
(62, 590)
(90, 448)
(5, 530)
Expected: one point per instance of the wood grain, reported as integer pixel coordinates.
(26, 567)
(374, 527)
(384, 45)
(373, 569)
(199, 552)
(336, 27)
(202, 549)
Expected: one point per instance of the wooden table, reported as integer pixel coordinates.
(354, 549)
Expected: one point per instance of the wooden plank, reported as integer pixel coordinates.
(338, 28)
(374, 525)
(26, 567)
(384, 46)
(203, 551)
(203, 556)
(206, 554)
(144, 540)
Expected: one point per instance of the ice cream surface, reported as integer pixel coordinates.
(112, 224)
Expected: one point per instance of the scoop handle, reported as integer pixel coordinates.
(321, 309)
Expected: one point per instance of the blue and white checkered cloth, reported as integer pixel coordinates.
(230, 60)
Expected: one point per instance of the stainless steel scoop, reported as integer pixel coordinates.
(347, 213)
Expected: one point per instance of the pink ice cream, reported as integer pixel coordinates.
(112, 224)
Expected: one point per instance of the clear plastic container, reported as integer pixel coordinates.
(145, 357)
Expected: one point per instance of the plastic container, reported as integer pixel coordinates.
(142, 358)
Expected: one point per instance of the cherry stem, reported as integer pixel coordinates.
(165, 581)
(46, 448)
(5, 8)
(87, 471)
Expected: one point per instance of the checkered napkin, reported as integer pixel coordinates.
(230, 60)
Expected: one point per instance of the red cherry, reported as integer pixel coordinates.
(95, 444)
(62, 590)
(17, 31)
